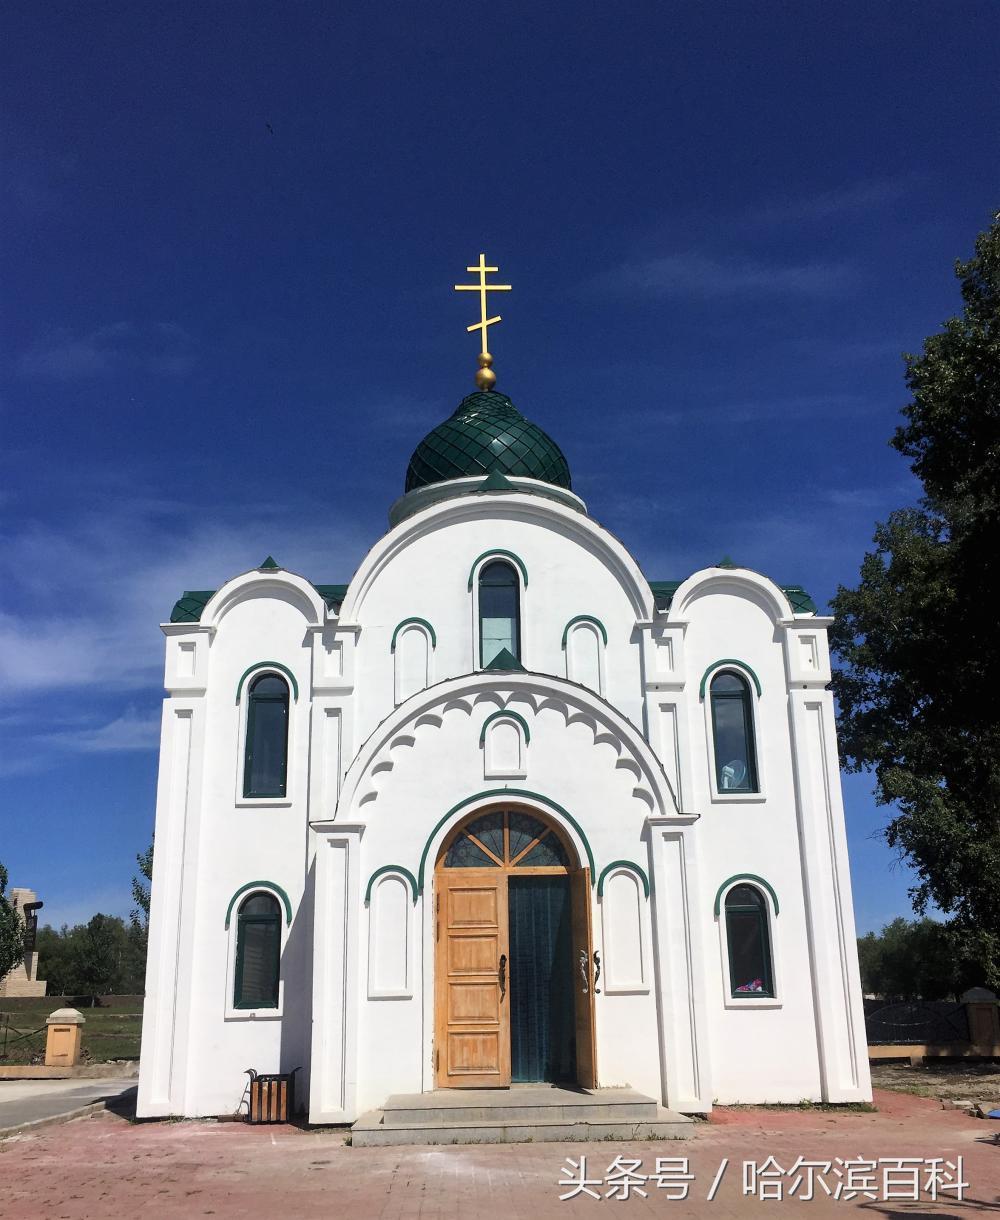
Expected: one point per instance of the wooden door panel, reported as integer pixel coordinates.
(472, 1023)
(472, 1002)
(583, 980)
(473, 1055)
(473, 906)
(472, 954)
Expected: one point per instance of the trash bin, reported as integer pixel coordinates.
(272, 1096)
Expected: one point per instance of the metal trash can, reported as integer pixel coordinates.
(272, 1096)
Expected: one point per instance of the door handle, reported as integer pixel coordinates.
(597, 974)
(584, 971)
(503, 975)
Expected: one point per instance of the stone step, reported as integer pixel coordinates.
(371, 1132)
(520, 1104)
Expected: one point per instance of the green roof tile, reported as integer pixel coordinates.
(487, 434)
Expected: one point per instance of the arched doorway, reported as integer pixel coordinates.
(514, 988)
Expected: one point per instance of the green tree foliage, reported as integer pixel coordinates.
(11, 930)
(106, 956)
(913, 960)
(918, 685)
(140, 887)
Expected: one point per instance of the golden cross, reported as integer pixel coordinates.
(482, 288)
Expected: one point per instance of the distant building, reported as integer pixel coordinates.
(23, 979)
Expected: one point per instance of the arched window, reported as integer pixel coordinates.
(258, 952)
(499, 612)
(750, 972)
(732, 733)
(265, 765)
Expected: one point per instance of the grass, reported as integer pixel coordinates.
(109, 1033)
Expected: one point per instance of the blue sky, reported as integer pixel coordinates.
(230, 239)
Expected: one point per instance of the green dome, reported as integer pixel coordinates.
(486, 433)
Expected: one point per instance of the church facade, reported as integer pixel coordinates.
(500, 809)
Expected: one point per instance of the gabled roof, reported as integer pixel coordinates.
(189, 607)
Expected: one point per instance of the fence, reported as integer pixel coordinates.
(932, 1028)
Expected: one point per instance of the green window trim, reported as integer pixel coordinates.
(509, 794)
(733, 662)
(266, 887)
(767, 958)
(399, 870)
(243, 922)
(510, 716)
(254, 785)
(626, 864)
(498, 554)
(264, 666)
(413, 622)
(739, 878)
(585, 618)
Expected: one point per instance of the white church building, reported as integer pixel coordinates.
(499, 810)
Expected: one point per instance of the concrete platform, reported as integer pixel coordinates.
(521, 1114)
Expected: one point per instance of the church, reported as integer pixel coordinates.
(500, 810)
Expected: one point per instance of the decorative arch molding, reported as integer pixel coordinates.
(505, 712)
(585, 618)
(577, 704)
(263, 667)
(729, 663)
(750, 584)
(268, 887)
(533, 509)
(738, 879)
(414, 622)
(396, 869)
(513, 796)
(287, 585)
(628, 866)
(497, 553)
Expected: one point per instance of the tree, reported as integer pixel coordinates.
(140, 887)
(919, 653)
(104, 956)
(11, 930)
(911, 960)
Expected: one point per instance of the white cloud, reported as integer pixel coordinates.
(61, 355)
(842, 200)
(708, 277)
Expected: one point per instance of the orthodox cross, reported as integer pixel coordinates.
(485, 377)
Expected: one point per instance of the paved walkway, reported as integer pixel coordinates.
(105, 1166)
(30, 1101)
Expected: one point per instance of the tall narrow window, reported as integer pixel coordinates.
(266, 762)
(499, 616)
(258, 952)
(732, 731)
(750, 970)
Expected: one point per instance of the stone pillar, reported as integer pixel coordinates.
(337, 915)
(165, 1032)
(836, 982)
(63, 1037)
(677, 953)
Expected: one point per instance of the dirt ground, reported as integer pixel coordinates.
(976, 1082)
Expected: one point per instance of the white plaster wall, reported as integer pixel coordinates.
(429, 579)
(758, 1054)
(194, 1054)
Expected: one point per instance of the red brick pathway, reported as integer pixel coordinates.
(104, 1166)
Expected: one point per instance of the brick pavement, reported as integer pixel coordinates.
(105, 1166)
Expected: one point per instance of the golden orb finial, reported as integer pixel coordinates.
(486, 379)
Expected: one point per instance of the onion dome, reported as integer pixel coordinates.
(487, 434)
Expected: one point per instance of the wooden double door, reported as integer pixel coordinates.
(514, 991)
